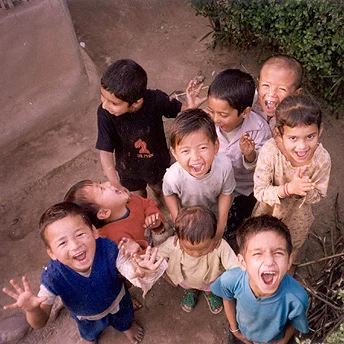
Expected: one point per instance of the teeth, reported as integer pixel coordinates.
(269, 273)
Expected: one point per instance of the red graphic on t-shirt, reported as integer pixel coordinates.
(143, 145)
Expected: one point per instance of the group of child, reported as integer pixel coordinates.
(243, 175)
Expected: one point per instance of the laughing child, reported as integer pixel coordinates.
(263, 303)
(200, 176)
(83, 272)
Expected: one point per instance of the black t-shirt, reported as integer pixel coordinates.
(138, 138)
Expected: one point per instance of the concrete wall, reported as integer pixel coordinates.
(43, 78)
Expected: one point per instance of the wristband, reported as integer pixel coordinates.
(286, 190)
(233, 331)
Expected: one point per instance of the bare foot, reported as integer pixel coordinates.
(136, 303)
(135, 333)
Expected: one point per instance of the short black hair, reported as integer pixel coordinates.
(286, 62)
(77, 195)
(58, 212)
(190, 121)
(126, 79)
(195, 224)
(263, 223)
(234, 86)
(297, 110)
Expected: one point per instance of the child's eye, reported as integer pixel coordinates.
(208, 110)
(184, 151)
(61, 244)
(204, 148)
(293, 138)
(311, 136)
(283, 89)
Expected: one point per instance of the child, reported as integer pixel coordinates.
(200, 176)
(279, 77)
(241, 132)
(193, 262)
(130, 124)
(263, 304)
(293, 169)
(82, 271)
(115, 214)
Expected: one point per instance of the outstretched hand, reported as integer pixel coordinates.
(128, 247)
(192, 95)
(147, 263)
(300, 184)
(247, 146)
(25, 299)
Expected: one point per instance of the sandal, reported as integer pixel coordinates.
(214, 302)
(189, 300)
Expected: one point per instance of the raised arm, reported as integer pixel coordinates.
(36, 313)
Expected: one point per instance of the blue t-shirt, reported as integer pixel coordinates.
(264, 319)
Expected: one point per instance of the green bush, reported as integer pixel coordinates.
(310, 30)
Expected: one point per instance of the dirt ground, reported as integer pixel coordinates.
(164, 37)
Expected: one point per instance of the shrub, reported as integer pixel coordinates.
(310, 30)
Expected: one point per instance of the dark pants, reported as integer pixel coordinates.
(241, 209)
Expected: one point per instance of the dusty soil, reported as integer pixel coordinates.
(163, 36)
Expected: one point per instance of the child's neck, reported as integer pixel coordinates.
(118, 213)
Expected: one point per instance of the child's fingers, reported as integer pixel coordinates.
(16, 286)
(11, 306)
(26, 284)
(10, 293)
(158, 263)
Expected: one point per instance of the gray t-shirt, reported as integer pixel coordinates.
(205, 191)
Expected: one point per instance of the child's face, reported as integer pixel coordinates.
(224, 115)
(195, 153)
(72, 242)
(274, 85)
(266, 261)
(196, 250)
(112, 104)
(300, 143)
(106, 195)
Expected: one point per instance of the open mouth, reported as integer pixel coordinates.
(196, 168)
(270, 105)
(80, 256)
(268, 277)
(302, 154)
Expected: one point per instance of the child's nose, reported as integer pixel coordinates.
(268, 259)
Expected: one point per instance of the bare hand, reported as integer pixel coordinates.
(300, 184)
(247, 146)
(152, 221)
(25, 299)
(148, 262)
(128, 247)
(241, 337)
(192, 95)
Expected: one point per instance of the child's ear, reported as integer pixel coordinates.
(95, 232)
(173, 153)
(321, 129)
(299, 91)
(277, 132)
(246, 112)
(103, 214)
(50, 253)
(217, 146)
(137, 105)
(242, 263)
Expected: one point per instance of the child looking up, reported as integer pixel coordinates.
(280, 76)
(241, 133)
(293, 169)
(193, 262)
(263, 304)
(200, 176)
(130, 126)
(82, 271)
(115, 214)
